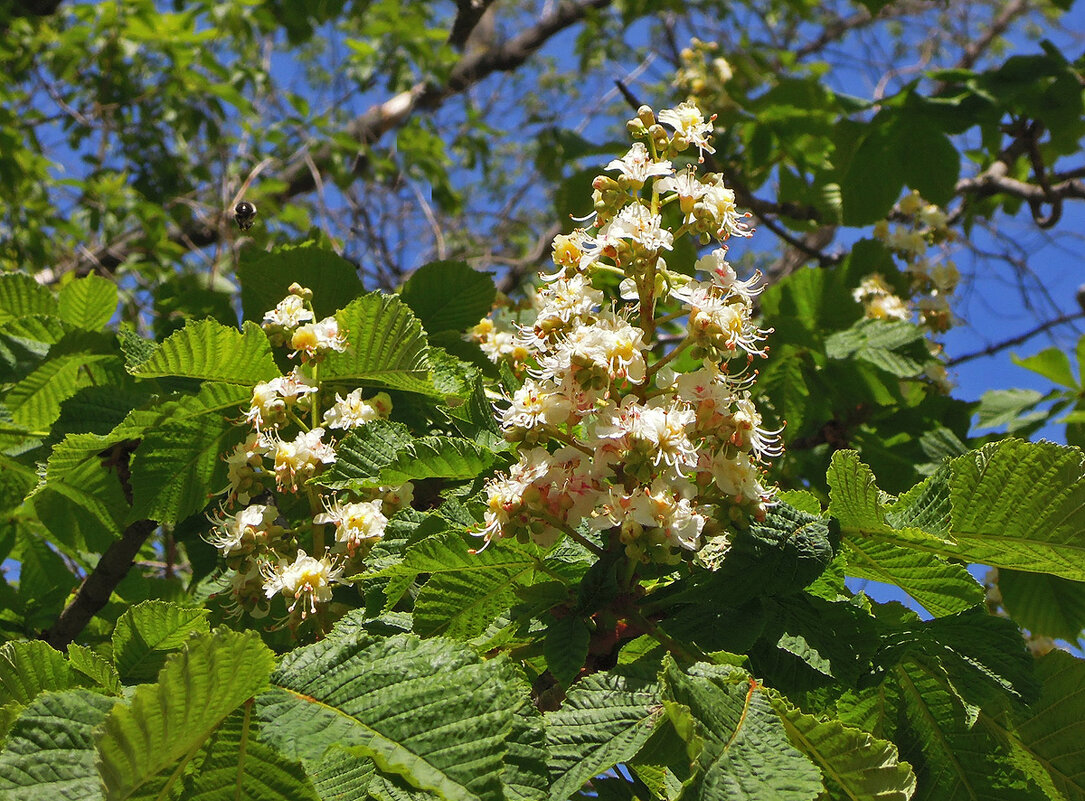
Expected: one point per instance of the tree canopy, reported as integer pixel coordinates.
(481, 400)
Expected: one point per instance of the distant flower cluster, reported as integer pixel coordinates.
(656, 443)
(272, 519)
(931, 281)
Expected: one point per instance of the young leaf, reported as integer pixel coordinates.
(27, 669)
(22, 296)
(149, 632)
(142, 745)
(387, 346)
(211, 351)
(88, 302)
(95, 667)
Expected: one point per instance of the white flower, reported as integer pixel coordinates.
(317, 338)
(289, 312)
(297, 461)
(725, 277)
(241, 531)
(689, 125)
(352, 411)
(536, 404)
(307, 580)
(564, 300)
(636, 222)
(270, 399)
(637, 165)
(664, 430)
(355, 523)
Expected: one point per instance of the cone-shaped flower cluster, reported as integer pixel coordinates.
(656, 442)
(272, 517)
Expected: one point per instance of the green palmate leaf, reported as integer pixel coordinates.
(266, 280)
(896, 347)
(466, 591)
(27, 669)
(205, 349)
(940, 587)
(179, 464)
(778, 556)
(525, 776)
(1020, 505)
(22, 296)
(72, 364)
(566, 647)
(88, 302)
(438, 457)
(1052, 733)
(384, 453)
(448, 296)
(341, 774)
(954, 750)
(982, 657)
(149, 632)
(81, 500)
(95, 667)
(806, 634)
(428, 710)
(143, 746)
(387, 346)
(49, 753)
(1047, 605)
(741, 747)
(235, 764)
(857, 765)
(605, 721)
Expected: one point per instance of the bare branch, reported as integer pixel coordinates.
(990, 350)
(366, 129)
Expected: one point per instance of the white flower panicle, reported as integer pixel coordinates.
(612, 436)
(295, 428)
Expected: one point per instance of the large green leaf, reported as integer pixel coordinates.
(387, 346)
(741, 747)
(383, 454)
(73, 363)
(895, 346)
(209, 350)
(1052, 732)
(266, 280)
(465, 591)
(1011, 504)
(428, 710)
(179, 464)
(940, 587)
(954, 756)
(862, 767)
(143, 746)
(149, 632)
(49, 753)
(1046, 605)
(606, 719)
(95, 667)
(448, 296)
(236, 765)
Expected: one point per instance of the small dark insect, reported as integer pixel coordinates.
(245, 214)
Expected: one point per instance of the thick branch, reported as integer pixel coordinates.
(95, 590)
(365, 129)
